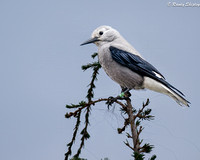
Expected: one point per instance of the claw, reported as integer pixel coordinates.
(111, 100)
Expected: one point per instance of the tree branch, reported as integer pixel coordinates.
(133, 125)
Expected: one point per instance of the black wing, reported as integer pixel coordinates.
(138, 65)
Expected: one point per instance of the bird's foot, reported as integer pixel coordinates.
(110, 101)
(124, 95)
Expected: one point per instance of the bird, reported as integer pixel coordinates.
(124, 65)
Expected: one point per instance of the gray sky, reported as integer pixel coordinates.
(40, 68)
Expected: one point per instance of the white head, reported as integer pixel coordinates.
(103, 34)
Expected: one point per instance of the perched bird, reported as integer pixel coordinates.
(124, 65)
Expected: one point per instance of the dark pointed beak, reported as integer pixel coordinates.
(92, 40)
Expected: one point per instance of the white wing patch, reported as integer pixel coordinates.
(158, 75)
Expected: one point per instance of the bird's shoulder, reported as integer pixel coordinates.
(125, 47)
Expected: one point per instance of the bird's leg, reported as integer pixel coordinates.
(125, 91)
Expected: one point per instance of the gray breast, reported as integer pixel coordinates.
(120, 74)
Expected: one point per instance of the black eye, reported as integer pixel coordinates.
(100, 33)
